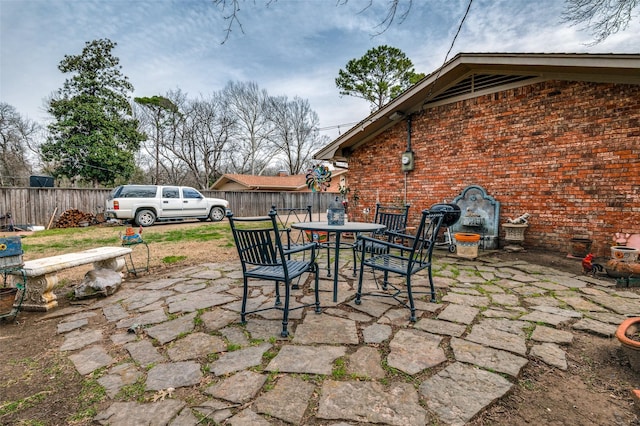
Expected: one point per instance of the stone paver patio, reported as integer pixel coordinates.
(349, 364)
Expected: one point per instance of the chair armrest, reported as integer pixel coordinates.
(397, 234)
(378, 242)
(396, 230)
(300, 248)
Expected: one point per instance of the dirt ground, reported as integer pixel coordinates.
(40, 386)
(595, 389)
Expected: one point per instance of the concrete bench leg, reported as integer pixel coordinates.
(116, 264)
(39, 295)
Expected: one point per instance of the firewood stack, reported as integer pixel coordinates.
(75, 218)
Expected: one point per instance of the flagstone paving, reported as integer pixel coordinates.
(179, 338)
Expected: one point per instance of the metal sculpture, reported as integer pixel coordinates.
(318, 178)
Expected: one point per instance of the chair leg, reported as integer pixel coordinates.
(359, 291)
(316, 287)
(285, 310)
(412, 306)
(278, 302)
(296, 286)
(328, 260)
(433, 290)
(245, 293)
(355, 259)
(385, 280)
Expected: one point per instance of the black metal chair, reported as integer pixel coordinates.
(293, 238)
(394, 218)
(263, 257)
(401, 259)
(285, 216)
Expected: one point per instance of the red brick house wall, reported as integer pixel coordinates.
(568, 153)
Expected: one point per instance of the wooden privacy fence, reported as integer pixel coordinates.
(37, 206)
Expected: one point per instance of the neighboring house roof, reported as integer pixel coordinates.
(474, 74)
(272, 183)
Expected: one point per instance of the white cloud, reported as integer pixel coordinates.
(292, 48)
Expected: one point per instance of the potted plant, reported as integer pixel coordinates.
(628, 333)
(514, 228)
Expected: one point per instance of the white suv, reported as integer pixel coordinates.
(147, 203)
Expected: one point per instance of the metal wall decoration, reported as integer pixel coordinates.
(318, 178)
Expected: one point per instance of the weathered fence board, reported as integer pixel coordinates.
(36, 206)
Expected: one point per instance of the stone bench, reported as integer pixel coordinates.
(41, 273)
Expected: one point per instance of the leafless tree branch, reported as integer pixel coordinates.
(394, 14)
(231, 17)
(602, 17)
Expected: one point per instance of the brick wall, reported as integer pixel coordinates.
(568, 153)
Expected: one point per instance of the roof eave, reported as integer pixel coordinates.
(602, 68)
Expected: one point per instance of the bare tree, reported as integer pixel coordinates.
(249, 107)
(295, 132)
(175, 171)
(602, 17)
(161, 118)
(17, 136)
(240, 129)
(203, 141)
(157, 114)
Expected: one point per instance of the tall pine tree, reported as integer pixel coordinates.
(379, 76)
(94, 136)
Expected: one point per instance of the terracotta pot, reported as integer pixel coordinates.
(7, 299)
(626, 329)
(467, 245)
(467, 238)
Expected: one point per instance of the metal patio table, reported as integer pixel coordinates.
(338, 230)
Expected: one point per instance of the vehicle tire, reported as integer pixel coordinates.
(216, 214)
(145, 217)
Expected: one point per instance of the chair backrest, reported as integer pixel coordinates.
(393, 217)
(425, 237)
(285, 216)
(257, 240)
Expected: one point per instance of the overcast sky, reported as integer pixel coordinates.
(289, 47)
